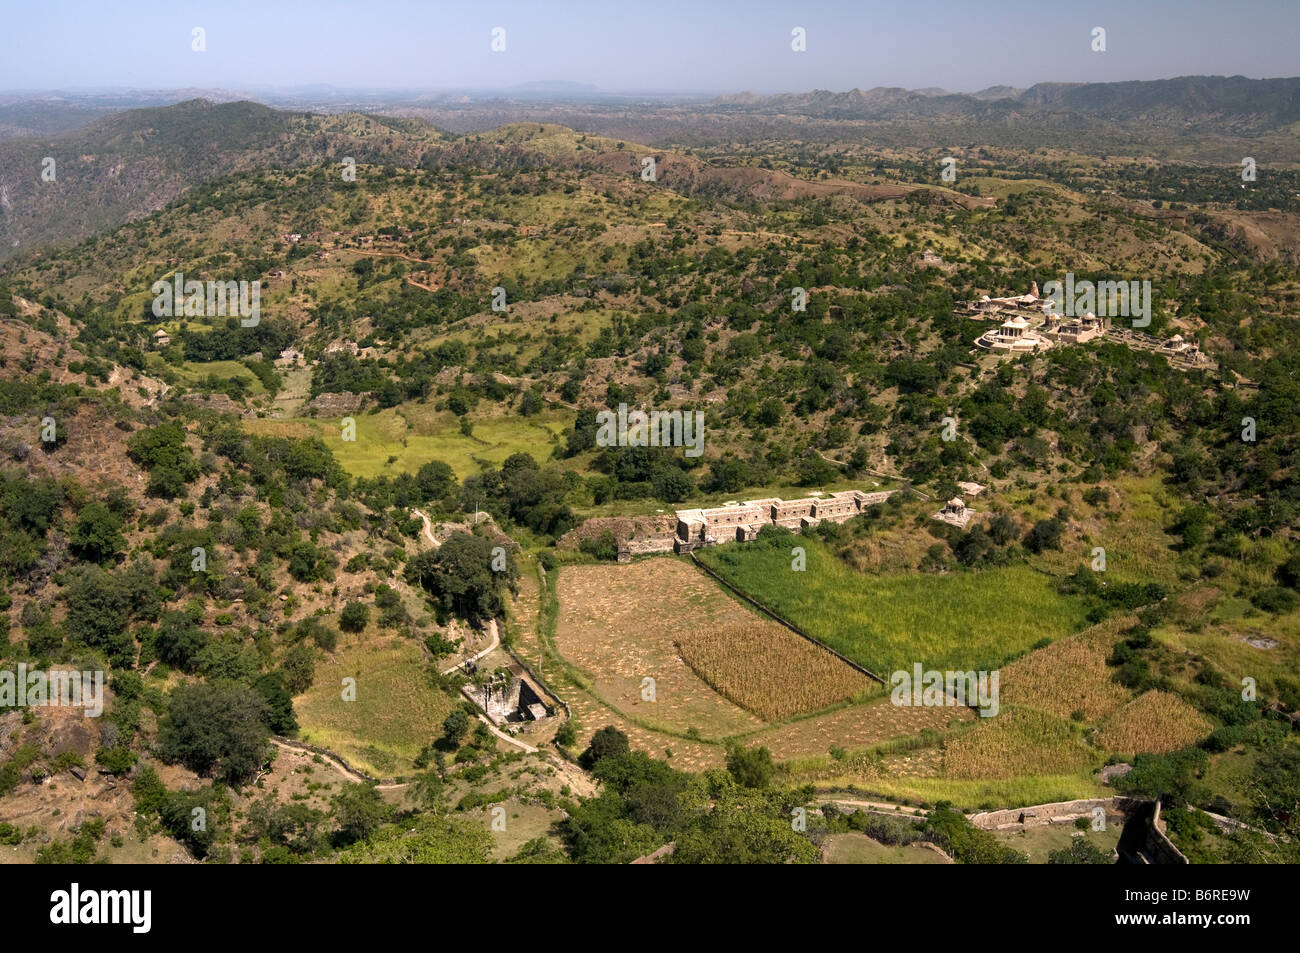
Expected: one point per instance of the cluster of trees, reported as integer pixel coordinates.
(641, 472)
(467, 575)
(343, 373)
(1125, 596)
(29, 509)
(718, 817)
(162, 451)
(945, 827)
(524, 492)
(1178, 778)
(434, 484)
(231, 341)
(981, 546)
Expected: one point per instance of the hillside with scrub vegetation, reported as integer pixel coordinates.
(313, 552)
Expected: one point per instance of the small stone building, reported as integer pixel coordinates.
(510, 700)
(955, 513)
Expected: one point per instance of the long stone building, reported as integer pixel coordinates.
(743, 521)
(691, 529)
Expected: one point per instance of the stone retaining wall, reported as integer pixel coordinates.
(1041, 815)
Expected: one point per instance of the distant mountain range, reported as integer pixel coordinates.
(117, 166)
(1232, 104)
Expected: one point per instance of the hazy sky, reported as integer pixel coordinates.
(626, 45)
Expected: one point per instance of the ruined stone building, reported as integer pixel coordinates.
(691, 529)
(742, 522)
(511, 700)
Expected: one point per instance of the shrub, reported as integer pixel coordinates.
(354, 617)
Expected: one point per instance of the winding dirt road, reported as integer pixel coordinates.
(428, 528)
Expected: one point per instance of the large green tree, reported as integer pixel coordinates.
(162, 451)
(217, 728)
(467, 575)
(743, 827)
(359, 811)
(98, 608)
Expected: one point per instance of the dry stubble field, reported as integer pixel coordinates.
(621, 623)
(618, 624)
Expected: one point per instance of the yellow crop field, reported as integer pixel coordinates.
(766, 668)
(1018, 741)
(1070, 675)
(1152, 723)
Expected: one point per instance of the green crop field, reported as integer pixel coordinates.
(192, 372)
(963, 620)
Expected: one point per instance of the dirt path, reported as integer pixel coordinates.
(428, 529)
(580, 782)
(881, 806)
(496, 640)
(333, 762)
(505, 737)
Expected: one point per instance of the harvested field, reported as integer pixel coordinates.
(767, 669)
(868, 767)
(618, 625)
(521, 613)
(1070, 675)
(854, 727)
(591, 716)
(1152, 723)
(1020, 741)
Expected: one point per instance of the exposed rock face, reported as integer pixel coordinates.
(218, 402)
